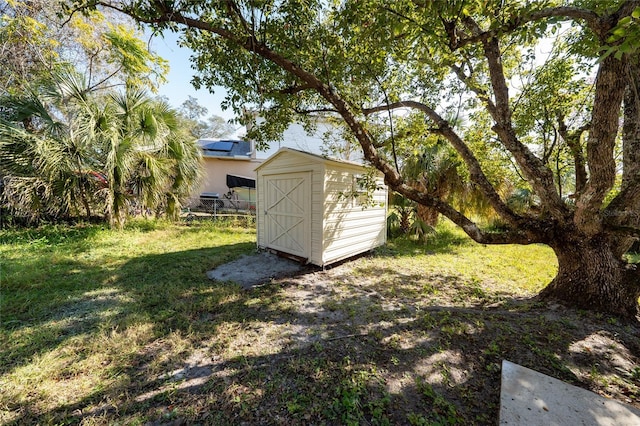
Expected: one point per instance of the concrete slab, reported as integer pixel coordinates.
(250, 271)
(531, 398)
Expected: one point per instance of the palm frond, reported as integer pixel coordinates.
(70, 152)
(72, 86)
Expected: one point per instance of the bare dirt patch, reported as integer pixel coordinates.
(249, 271)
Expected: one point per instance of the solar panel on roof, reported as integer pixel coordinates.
(225, 146)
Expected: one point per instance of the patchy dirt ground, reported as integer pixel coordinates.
(364, 344)
(251, 270)
(378, 340)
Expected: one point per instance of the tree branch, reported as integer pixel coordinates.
(600, 145)
(475, 170)
(91, 88)
(393, 136)
(599, 25)
(530, 233)
(538, 175)
(294, 89)
(624, 209)
(234, 10)
(631, 129)
(626, 231)
(313, 111)
(480, 93)
(573, 142)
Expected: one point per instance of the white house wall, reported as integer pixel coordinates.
(216, 171)
(296, 137)
(349, 226)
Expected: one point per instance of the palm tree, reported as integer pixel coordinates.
(65, 150)
(39, 151)
(435, 171)
(150, 161)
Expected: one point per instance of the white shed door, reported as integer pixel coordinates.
(288, 213)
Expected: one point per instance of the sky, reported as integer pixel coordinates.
(178, 87)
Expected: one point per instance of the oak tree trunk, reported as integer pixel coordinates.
(590, 276)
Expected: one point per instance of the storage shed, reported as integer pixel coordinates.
(317, 209)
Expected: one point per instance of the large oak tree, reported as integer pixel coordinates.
(473, 71)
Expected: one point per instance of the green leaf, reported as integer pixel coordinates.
(624, 21)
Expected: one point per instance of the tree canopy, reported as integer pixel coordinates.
(535, 87)
(36, 38)
(212, 126)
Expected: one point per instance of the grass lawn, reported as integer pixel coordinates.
(107, 327)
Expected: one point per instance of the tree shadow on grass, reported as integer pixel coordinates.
(78, 298)
(325, 348)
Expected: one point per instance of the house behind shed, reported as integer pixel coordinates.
(229, 174)
(317, 209)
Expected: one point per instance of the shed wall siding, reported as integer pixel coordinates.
(349, 227)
